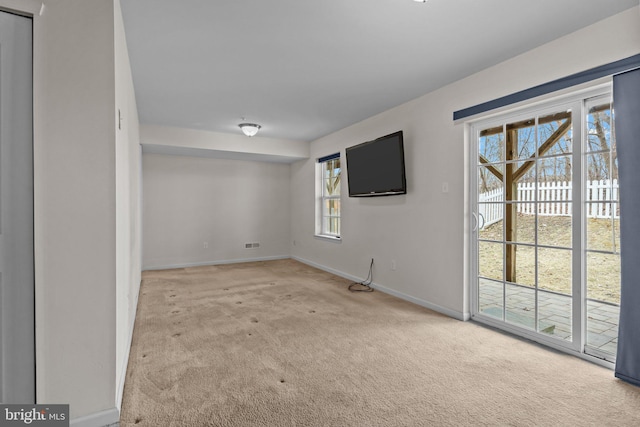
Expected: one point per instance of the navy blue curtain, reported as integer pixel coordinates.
(626, 101)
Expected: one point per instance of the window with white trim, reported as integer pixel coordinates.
(328, 196)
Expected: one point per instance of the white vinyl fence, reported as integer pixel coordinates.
(553, 198)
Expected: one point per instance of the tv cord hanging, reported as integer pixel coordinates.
(366, 283)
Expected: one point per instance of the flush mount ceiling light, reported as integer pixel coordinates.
(249, 129)
(420, 1)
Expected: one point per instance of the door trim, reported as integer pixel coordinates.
(538, 107)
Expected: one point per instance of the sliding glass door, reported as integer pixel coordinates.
(602, 241)
(540, 246)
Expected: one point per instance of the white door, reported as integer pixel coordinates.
(546, 234)
(17, 348)
(525, 204)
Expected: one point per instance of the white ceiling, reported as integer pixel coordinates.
(303, 69)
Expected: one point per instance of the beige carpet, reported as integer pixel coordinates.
(282, 344)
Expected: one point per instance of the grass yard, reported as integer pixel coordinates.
(554, 261)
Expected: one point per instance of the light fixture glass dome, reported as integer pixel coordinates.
(249, 129)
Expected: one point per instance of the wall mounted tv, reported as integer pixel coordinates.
(376, 168)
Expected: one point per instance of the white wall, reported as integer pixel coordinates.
(426, 230)
(188, 201)
(75, 217)
(86, 273)
(128, 209)
(173, 140)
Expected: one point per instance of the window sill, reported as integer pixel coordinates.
(335, 239)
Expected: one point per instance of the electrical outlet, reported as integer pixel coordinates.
(393, 265)
(445, 187)
(205, 245)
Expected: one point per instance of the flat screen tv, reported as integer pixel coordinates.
(376, 168)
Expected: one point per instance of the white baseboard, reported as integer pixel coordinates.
(98, 419)
(435, 307)
(219, 262)
(464, 316)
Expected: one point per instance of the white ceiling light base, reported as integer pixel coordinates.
(249, 129)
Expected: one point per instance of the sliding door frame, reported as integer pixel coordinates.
(577, 101)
